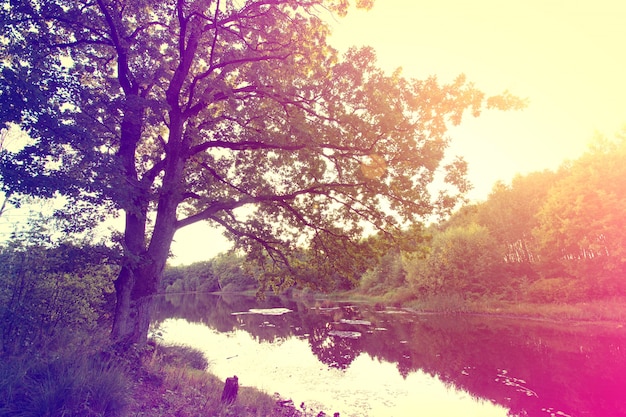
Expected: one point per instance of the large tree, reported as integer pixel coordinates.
(180, 111)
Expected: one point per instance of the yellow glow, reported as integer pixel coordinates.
(565, 56)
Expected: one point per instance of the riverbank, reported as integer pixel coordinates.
(172, 381)
(611, 310)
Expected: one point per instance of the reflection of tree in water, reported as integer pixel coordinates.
(524, 366)
(216, 312)
(336, 352)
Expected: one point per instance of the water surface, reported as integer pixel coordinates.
(358, 361)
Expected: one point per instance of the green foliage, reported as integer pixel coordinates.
(199, 277)
(463, 260)
(231, 271)
(45, 290)
(388, 274)
(226, 272)
(584, 215)
(510, 214)
(558, 290)
(548, 237)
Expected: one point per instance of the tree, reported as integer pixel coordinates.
(234, 112)
(581, 223)
(510, 214)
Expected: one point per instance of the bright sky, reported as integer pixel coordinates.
(567, 56)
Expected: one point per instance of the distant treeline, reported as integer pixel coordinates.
(227, 272)
(551, 236)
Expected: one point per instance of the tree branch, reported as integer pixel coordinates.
(214, 208)
(124, 75)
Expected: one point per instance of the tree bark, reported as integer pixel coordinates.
(133, 306)
(135, 287)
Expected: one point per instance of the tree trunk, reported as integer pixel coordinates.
(134, 295)
(231, 387)
(139, 277)
(145, 254)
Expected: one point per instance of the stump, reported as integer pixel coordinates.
(229, 395)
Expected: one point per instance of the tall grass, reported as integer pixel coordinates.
(70, 385)
(443, 303)
(609, 310)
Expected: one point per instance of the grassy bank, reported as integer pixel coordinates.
(611, 310)
(82, 376)
(607, 310)
(172, 381)
(155, 381)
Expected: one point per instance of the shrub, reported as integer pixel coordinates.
(551, 290)
(43, 291)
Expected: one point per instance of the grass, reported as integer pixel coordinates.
(173, 381)
(153, 381)
(610, 310)
(68, 385)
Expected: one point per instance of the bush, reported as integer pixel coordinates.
(45, 290)
(387, 275)
(555, 290)
(370, 282)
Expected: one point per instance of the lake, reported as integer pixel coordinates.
(358, 361)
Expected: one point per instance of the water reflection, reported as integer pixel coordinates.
(524, 368)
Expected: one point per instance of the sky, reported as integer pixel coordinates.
(567, 57)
